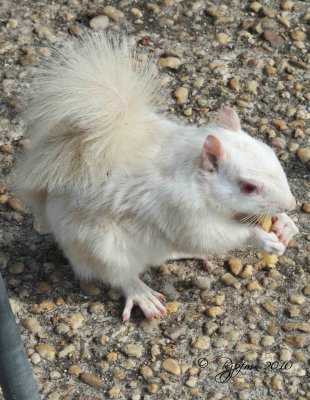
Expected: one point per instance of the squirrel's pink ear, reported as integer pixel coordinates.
(212, 153)
(228, 119)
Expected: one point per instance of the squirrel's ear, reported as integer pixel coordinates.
(228, 119)
(212, 153)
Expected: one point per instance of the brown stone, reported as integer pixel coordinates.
(296, 341)
(91, 380)
(276, 41)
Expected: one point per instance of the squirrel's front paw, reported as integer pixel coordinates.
(284, 228)
(267, 241)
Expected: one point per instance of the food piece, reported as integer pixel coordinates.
(266, 223)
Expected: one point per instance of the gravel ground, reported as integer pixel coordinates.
(249, 55)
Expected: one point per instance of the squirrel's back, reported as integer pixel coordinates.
(92, 111)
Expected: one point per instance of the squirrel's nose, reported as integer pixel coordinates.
(291, 204)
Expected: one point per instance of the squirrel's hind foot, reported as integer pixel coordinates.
(138, 293)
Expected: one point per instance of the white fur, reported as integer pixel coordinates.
(123, 188)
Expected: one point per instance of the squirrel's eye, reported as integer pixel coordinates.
(248, 188)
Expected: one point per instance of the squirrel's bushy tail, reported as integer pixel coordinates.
(91, 112)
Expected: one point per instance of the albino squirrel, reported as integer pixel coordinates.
(122, 188)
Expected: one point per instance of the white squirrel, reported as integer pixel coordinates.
(122, 188)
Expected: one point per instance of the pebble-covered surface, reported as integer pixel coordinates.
(251, 55)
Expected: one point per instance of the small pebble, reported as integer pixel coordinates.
(295, 340)
(99, 22)
(33, 325)
(270, 71)
(218, 299)
(297, 299)
(152, 388)
(67, 351)
(244, 347)
(267, 340)
(201, 343)
(55, 375)
(146, 372)
(136, 12)
(300, 356)
(270, 12)
(112, 356)
(17, 268)
(298, 36)
(223, 38)
(270, 307)
(244, 104)
(283, 21)
(252, 86)
(202, 282)
(247, 272)
(103, 339)
(279, 124)
(213, 12)
(75, 321)
(230, 280)
(74, 370)
(172, 307)
(43, 288)
(96, 308)
(133, 350)
(287, 5)
(277, 382)
(46, 351)
(304, 154)
(90, 289)
(192, 381)
(181, 95)
(285, 355)
(35, 358)
(235, 265)
(198, 83)
(306, 290)
(113, 13)
(293, 311)
(301, 326)
(234, 84)
(255, 6)
(253, 286)
(188, 112)
(276, 41)
(170, 62)
(12, 23)
(170, 365)
(114, 392)
(214, 311)
(46, 305)
(278, 143)
(306, 207)
(91, 380)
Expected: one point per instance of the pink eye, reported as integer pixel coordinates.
(248, 188)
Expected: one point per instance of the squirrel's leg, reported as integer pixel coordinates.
(89, 263)
(101, 250)
(138, 293)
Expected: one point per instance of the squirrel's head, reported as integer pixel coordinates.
(244, 175)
